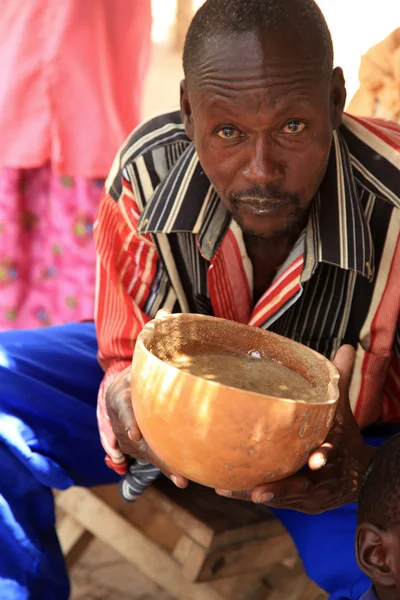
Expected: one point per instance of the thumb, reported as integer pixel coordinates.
(127, 420)
(325, 453)
(344, 361)
(162, 313)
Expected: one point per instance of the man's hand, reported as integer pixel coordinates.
(129, 437)
(334, 470)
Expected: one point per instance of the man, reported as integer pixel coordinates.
(254, 203)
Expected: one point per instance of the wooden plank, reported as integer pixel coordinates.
(270, 528)
(200, 565)
(191, 556)
(289, 581)
(73, 537)
(164, 513)
(244, 558)
(290, 585)
(98, 518)
(211, 520)
(184, 518)
(312, 592)
(78, 549)
(156, 503)
(245, 587)
(203, 503)
(69, 531)
(146, 514)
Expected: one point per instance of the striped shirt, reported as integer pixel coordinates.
(165, 239)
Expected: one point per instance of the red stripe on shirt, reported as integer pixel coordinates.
(290, 275)
(377, 359)
(228, 284)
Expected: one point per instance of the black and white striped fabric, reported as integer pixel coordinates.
(140, 476)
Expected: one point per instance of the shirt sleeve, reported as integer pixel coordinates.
(126, 269)
(392, 387)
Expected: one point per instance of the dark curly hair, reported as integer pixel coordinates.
(229, 17)
(379, 499)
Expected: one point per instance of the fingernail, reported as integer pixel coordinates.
(262, 498)
(319, 462)
(175, 480)
(130, 436)
(225, 493)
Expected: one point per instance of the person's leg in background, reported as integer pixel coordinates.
(326, 542)
(47, 253)
(48, 439)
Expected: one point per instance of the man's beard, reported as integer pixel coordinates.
(270, 197)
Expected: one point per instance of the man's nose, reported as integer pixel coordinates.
(263, 165)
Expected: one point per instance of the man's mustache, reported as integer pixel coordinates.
(268, 195)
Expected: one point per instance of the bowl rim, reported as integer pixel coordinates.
(147, 332)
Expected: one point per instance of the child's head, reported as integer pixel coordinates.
(378, 531)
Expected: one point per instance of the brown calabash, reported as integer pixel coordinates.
(220, 436)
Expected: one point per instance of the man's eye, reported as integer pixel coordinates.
(293, 126)
(228, 133)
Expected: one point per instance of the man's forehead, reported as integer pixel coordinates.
(256, 107)
(249, 60)
(270, 98)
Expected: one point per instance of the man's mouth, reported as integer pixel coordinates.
(263, 206)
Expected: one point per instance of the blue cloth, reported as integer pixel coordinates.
(48, 439)
(370, 595)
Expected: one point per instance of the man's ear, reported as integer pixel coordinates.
(186, 110)
(338, 97)
(373, 550)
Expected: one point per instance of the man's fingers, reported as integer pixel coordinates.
(162, 313)
(325, 454)
(128, 423)
(140, 450)
(176, 478)
(180, 481)
(344, 361)
(119, 406)
(291, 487)
(122, 415)
(235, 495)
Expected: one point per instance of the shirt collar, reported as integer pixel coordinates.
(338, 232)
(186, 202)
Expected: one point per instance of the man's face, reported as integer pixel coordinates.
(261, 117)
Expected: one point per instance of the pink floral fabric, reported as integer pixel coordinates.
(47, 254)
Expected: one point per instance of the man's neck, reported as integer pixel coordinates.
(267, 256)
(273, 252)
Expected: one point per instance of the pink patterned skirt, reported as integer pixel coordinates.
(47, 255)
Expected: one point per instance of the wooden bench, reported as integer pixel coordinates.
(192, 543)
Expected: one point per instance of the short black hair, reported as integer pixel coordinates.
(379, 499)
(229, 17)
